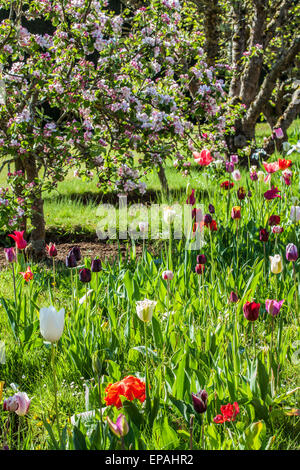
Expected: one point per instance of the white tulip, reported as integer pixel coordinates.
(169, 215)
(261, 176)
(295, 213)
(145, 309)
(52, 323)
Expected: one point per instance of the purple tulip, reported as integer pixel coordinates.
(200, 401)
(234, 158)
(229, 167)
(76, 251)
(96, 266)
(273, 306)
(71, 260)
(211, 209)
(201, 259)
(291, 252)
(233, 297)
(85, 275)
(10, 255)
(253, 176)
(207, 219)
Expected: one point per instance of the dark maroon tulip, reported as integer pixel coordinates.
(71, 260)
(197, 214)
(200, 401)
(233, 297)
(201, 259)
(211, 209)
(263, 235)
(249, 193)
(291, 252)
(207, 219)
(199, 269)
(76, 251)
(274, 220)
(85, 275)
(272, 193)
(191, 199)
(96, 266)
(251, 311)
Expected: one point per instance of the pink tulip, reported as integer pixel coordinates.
(279, 133)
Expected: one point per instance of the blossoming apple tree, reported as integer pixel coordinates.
(119, 94)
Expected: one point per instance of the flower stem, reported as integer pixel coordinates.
(55, 390)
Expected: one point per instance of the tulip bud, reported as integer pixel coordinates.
(10, 255)
(200, 401)
(276, 264)
(96, 266)
(291, 252)
(120, 428)
(85, 275)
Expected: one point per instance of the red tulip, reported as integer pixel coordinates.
(284, 164)
(19, 239)
(251, 311)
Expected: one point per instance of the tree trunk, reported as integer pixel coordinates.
(163, 180)
(38, 233)
(284, 123)
(20, 167)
